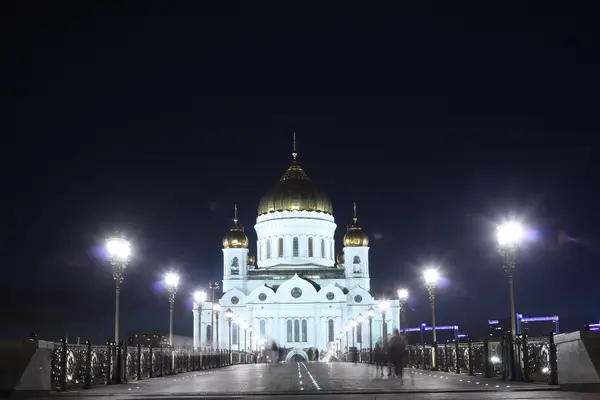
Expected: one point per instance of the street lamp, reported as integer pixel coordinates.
(171, 282)
(353, 325)
(199, 299)
(250, 333)
(119, 250)
(359, 320)
(245, 325)
(432, 276)
(347, 329)
(383, 306)
(402, 297)
(238, 325)
(371, 314)
(229, 318)
(509, 236)
(217, 310)
(212, 286)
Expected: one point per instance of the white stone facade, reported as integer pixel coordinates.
(297, 295)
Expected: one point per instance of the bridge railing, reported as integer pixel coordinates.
(535, 358)
(86, 365)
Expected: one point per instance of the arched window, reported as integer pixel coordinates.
(356, 260)
(295, 247)
(322, 248)
(234, 333)
(268, 248)
(280, 247)
(289, 330)
(297, 330)
(263, 328)
(359, 333)
(208, 334)
(235, 266)
(310, 247)
(304, 331)
(330, 334)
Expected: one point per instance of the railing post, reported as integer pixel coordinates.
(486, 358)
(119, 365)
(64, 353)
(553, 361)
(470, 355)
(139, 362)
(446, 362)
(88, 365)
(525, 353)
(109, 363)
(124, 354)
(457, 361)
(151, 352)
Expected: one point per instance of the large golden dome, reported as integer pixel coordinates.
(294, 192)
(355, 237)
(235, 238)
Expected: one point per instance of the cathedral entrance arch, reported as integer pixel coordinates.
(296, 355)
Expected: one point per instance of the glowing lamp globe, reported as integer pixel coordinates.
(432, 276)
(383, 306)
(510, 234)
(353, 324)
(371, 312)
(171, 280)
(216, 307)
(360, 318)
(239, 320)
(403, 294)
(199, 296)
(229, 314)
(118, 249)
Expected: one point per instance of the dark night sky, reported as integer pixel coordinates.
(156, 117)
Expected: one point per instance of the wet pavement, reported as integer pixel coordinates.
(336, 380)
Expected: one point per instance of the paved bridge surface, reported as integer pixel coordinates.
(336, 381)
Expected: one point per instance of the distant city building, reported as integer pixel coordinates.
(537, 326)
(154, 339)
(530, 326)
(424, 333)
(594, 327)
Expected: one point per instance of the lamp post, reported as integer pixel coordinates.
(171, 282)
(353, 325)
(347, 329)
(245, 324)
(199, 299)
(359, 320)
(238, 324)
(371, 314)
(509, 236)
(383, 306)
(250, 334)
(212, 286)
(432, 277)
(229, 318)
(216, 311)
(119, 250)
(402, 297)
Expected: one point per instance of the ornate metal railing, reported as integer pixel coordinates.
(535, 358)
(86, 365)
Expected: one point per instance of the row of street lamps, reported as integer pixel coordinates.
(509, 237)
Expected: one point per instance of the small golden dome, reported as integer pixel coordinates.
(294, 192)
(251, 259)
(340, 258)
(235, 238)
(355, 237)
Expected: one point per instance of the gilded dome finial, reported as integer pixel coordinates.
(355, 237)
(355, 218)
(235, 238)
(235, 215)
(295, 153)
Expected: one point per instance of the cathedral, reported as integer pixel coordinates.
(296, 291)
